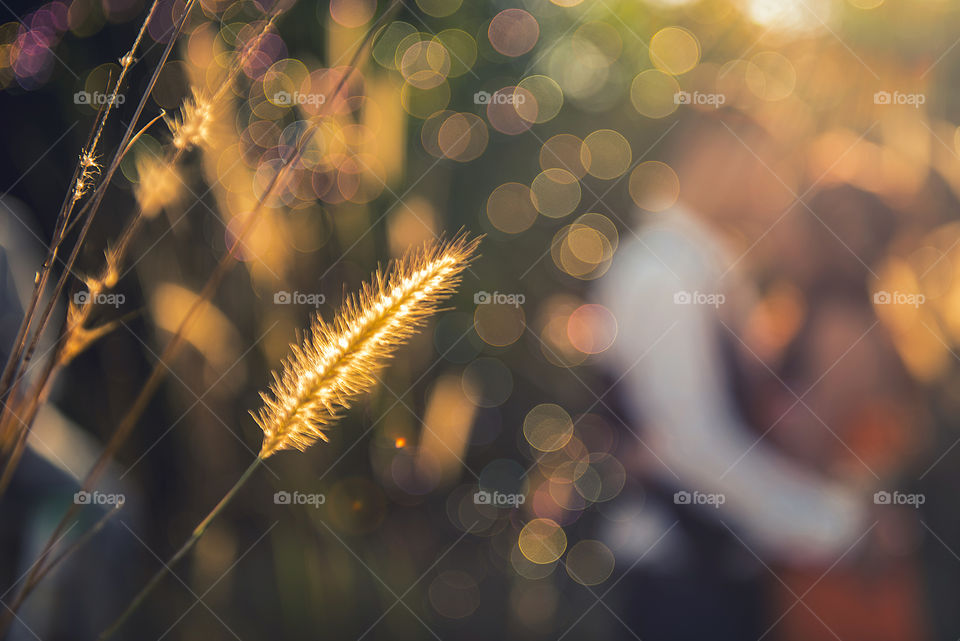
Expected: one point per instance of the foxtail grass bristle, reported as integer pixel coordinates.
(338, 361)
(89, 168)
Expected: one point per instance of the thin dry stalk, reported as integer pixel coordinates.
(19, 364)
(188, 130)
(173, 347)
(86, 168)
(75, 336)
(97, 198)
(19, 370)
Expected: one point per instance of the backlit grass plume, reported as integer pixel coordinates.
(192, 127)
(337, 361)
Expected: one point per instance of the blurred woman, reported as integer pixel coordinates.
(848, 408)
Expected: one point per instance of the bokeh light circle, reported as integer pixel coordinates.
(430, 132)
(654, 186)
(584, 249)
(502, 110)
(439, 8)
(463, 137)
(674, 50)
(542, 541)
(513, 32)
(388, 40)
(352, 13)
(499, 325)
(425, 64)
(510, 208)
(589, 562)
(555, 193)
(563, 152)
(592, 328)
(606, 154)
(653, 93)
(527, 568)
(544, 99)
(548, 427)
(462, 48)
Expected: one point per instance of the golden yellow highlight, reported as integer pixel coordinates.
(446, 433)
(338, 361)
(89, 168)
(192, 127)
(159, 184)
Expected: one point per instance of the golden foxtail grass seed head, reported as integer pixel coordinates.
(338, 361)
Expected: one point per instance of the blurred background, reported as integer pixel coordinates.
(702, 379)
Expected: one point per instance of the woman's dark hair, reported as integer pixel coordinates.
(849, 231)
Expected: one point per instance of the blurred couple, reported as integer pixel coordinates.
(768, 404)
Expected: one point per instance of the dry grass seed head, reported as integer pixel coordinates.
(192, 127)
(338, 361)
